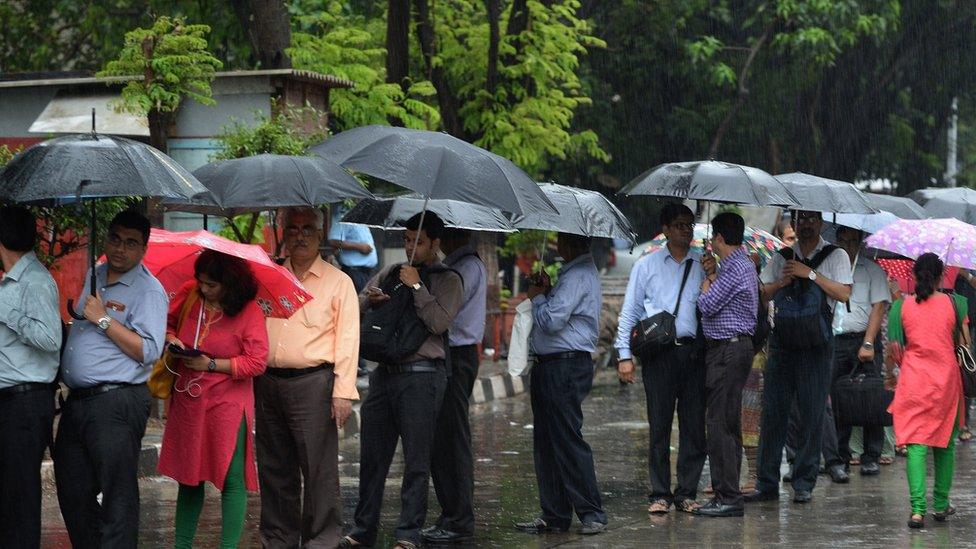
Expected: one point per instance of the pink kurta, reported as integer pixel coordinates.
(929, 391)
(201, 431)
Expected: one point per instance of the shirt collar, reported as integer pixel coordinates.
(22, 264)
(128, 278)
(585, 258)
(739, 253)
(317, 269)
(693, 255)
(458, 253)
(820, 245)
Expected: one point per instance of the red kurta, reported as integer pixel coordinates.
(201, 431)
(929, 391)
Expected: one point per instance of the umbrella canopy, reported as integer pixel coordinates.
(64, 169)
(581, 212)
(171, 255)
(270, 181)
(869, 223)
(903, 207)
(952, 240)
(393, 212)
(959, 202)
(819, 194)
(901, 270)
(435, 165)
(711, 180)
(754, 240)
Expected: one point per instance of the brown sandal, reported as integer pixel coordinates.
(659, 507)
(349, 541)
(404, 544)
(687, 506)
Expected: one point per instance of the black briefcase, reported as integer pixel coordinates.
(860, 398)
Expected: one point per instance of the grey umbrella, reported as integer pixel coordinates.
(393, 212)
(713, 181)
(902, 207)
(91, 166)
(270, 181)
(581, 212)
(819, 194)
(958, 202)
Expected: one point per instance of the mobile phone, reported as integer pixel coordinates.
(187, 352)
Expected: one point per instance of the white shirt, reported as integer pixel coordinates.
(835, 267)
(870, 288)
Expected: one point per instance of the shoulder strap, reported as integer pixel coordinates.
(684, 278)
(820, 256)
(191, 298)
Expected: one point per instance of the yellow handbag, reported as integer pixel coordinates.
(162, 377)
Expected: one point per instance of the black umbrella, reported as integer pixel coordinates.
(91, 166)
(393, 212)
(957, 202)
(900, 206)
(819, 194)
(581, 212)
(270, 181)
(713, 181)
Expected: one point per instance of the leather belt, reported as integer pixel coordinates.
(568, 355)
(684, 341)
(735, 339)
(419, 366)
(88, 392)
(24, 388)
(295, 372)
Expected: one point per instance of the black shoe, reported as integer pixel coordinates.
(838, 474)
(870, 469)
(802, 496)
(759, 495)
(440, 535)
(430, 529)
(715, 508)
(591, 528)
(537, 526)
(941, 516)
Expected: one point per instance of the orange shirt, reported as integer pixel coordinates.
(326, 329)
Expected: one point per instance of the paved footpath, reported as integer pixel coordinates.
(868, 512)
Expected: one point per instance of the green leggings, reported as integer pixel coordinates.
(233, 503)
(944, 461)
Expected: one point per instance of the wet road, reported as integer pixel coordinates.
(868, 512)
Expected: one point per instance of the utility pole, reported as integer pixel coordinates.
(952, 140)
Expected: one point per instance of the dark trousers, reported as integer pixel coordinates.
(675, 379)
(727, 366)
(25, 432)
(398, 407)
(297, 448)
(97, 450)
(360, 276)
(452, 461)
(564, 467)
(828, 440)
(793, 376)
(845, 360)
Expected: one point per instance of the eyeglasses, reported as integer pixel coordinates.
(307, 230)
(116, 241)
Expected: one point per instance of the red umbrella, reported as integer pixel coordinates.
(171, 256)
(901, 271)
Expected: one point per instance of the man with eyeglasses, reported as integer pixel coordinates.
(305, 396)
(799, 365)
(107, 360)
(675, 377)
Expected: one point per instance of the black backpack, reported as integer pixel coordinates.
(392, 331)
(803, 318)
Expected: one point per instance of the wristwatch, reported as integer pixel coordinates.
(812, 275)
(104, 322)
(416, 286)
(213, 365)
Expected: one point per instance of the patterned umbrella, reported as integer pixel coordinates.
(900, 270)
(755, 241)
(952, 240)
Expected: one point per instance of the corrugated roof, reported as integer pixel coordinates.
(71, 79)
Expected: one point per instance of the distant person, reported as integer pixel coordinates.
(784, 231)
(357, 251)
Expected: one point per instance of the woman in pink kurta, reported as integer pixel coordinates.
(209, 428)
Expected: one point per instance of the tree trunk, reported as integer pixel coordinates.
(494, 14)
(397, 42)
(268, 28)
(446, 99)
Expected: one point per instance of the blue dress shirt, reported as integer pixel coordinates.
(30, 324)
(568, 319)
(469, 323)
(352, 232)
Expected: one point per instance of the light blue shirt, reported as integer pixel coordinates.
(352, 232)
(469, 323)
(30, 324)
(653, 288)
(137, 301)
(568, 319)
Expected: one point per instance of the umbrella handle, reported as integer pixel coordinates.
(71, 311)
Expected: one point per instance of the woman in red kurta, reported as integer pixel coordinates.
(209, 428)
(928, 398)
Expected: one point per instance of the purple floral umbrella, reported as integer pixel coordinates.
(952, 240)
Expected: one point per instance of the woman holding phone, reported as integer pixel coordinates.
(217, 337)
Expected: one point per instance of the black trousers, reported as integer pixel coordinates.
(845, 360)
(25, 432)
(727, 366)
(675, 379)
(564, 468)
(398, 407)
(97, 450)
(793, 376)
(828, 440)
(452, 460)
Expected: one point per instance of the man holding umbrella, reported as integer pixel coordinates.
(106, 362)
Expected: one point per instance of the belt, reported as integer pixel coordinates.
(851, 335)
(24, 388)
(88, 392)
(568, 355)
(414, 367)
(735, 339)
(684, 341)
(295, 372)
